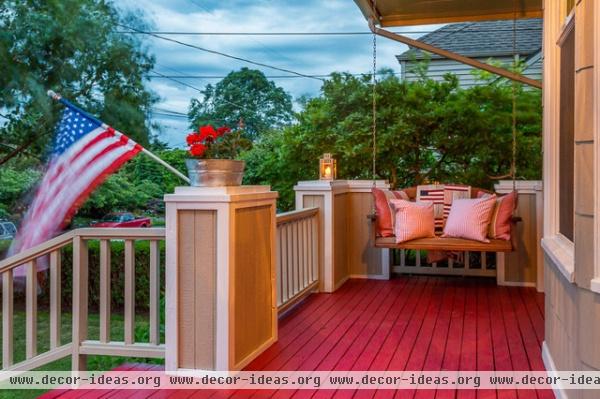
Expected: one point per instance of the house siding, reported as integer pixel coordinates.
(440, 67)
(572, 309)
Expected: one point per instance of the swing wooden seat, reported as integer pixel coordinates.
(443, 243)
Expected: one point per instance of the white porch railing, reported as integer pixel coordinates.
(297, 256)
(80, 345)
(467, 264)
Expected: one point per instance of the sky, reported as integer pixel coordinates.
(312, 55)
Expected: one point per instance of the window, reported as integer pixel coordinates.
(566, 132)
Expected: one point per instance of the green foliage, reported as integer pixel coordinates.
(426, 131)
(142, 274)
(72, 47)
(139, 186)
(244, 95)
(14, 185)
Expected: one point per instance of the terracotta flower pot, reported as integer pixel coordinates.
(215, 172)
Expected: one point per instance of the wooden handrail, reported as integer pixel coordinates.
(137, 233)
(86, 234)
(37, 251)
(296, 215)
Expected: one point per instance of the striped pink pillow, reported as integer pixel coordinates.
(501, 219)
(470, 218)
(413, 220)
(384, 211)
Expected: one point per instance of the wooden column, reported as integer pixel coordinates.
(220, 276)
(524, 266)
(344, 206)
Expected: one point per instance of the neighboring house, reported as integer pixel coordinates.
(482, 41)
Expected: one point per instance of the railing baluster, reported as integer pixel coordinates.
(284, 267)
(80, 301)
(129, 302)
(467, 261)
(7, 318)
(305, 251)
(315, 246)
(31, 309)
(297, 253)
(278, 265)
(290, 260)
(55, 299)
(154, 293)
(296, 258)
(483, 261)
(105, 296)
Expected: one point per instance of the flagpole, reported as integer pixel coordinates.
(58, 97)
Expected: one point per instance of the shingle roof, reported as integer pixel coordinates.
(483, 39)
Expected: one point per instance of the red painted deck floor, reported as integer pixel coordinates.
(408, 323)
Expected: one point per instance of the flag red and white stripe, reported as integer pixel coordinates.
(86, 152)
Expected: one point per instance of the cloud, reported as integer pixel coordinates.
(305, 54)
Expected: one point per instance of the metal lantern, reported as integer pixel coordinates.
(327, 167)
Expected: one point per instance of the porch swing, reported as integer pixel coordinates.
(438, 243)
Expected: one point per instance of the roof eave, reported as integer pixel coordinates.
(366, 7)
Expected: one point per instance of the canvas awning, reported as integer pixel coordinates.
(424, 12)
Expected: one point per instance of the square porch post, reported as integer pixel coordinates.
(220, 276)
(345, 250)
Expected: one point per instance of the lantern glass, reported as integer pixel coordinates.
(327, 167)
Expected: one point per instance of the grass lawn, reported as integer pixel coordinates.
(97, 363)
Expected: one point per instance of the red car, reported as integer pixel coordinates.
(123, 219)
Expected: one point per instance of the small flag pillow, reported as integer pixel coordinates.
(413, 220)
(433, 193)
(501, 220)
(470, 218)
(385, 217)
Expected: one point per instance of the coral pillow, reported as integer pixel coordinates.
(385, 217)
(413, 220)
(470, 218)
(501, 220)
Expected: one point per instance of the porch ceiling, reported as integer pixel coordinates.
(424, 12)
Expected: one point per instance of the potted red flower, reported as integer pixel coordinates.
(214, 152)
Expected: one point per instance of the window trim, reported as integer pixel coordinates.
(557, 247)
(562, 252)
(595, 283)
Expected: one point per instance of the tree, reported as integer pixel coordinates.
(243, 95)
(426, 131)
(71, 47)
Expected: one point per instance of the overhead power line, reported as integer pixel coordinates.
(171, 78)
(220, 53)
(168, 115)
(267, 76)
(196, 33)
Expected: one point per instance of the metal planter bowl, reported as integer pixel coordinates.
(215, 172)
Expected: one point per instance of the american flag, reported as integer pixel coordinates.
(84, 153)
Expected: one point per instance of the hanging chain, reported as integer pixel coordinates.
(513, 166)
(374, 104)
